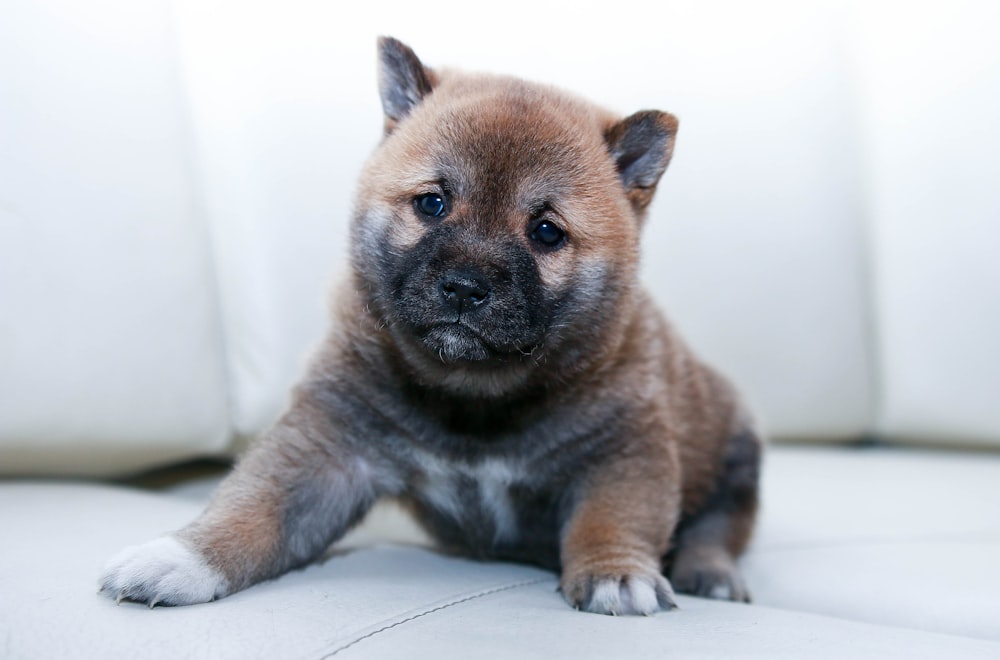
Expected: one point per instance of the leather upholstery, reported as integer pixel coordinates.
(176, 178)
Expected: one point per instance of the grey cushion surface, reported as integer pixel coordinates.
(822, 589)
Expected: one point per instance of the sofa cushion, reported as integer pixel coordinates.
(856, 551)
(886, 535)
(379, 602)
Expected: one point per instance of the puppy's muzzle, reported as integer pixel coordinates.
(464, 290)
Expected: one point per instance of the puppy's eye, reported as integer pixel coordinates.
(432, 205)
(548, 234)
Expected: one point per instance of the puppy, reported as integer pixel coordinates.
(495, 365)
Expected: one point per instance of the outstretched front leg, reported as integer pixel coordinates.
(298, 489)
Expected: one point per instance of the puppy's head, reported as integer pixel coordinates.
(497, 224)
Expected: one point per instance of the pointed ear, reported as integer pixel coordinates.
(402, 80)
(641, 146)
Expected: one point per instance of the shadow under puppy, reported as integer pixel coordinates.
(494, 364)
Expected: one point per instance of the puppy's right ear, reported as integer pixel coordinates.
(402, 80)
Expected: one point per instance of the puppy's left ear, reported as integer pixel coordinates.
(403, 81)
(641, 146)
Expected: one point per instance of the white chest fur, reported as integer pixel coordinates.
(447, 489)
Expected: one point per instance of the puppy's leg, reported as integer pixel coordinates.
(708, 543)
(295, 492)
(619, 531)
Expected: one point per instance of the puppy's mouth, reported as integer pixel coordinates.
(457, 342)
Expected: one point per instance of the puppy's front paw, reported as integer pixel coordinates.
(161, 572)
(629, 593)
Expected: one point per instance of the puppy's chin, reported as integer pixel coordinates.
(455, 343)
(455, 358)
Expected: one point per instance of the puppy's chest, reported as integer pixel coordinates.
(494, 507)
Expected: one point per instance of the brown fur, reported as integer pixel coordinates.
(558, 418)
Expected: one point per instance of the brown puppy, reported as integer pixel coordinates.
(496, 365)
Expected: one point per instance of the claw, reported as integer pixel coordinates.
(666, 599)
(120, 598)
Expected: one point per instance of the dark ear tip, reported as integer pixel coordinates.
(669, 122)
(662, 120)
(389, 46)
(644, 125)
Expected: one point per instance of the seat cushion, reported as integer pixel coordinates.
(377, 602)
(834, 575)
(886, 535)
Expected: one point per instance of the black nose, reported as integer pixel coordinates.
(464, 291)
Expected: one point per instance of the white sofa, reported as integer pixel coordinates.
(175, 180)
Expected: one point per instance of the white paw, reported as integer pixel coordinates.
(644, 593)
(631, 595)
(161, 572)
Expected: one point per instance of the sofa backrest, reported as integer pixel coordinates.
(110, 332)
(176, 180)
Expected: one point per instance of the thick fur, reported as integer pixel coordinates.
(512, 383)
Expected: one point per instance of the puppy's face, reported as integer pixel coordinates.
(494, 230)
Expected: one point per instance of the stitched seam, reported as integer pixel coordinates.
(418, 615)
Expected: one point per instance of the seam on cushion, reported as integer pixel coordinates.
(438, 608)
